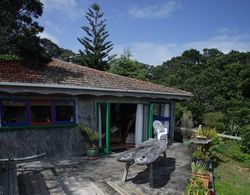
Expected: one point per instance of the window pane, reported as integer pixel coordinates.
(165, 110)
(156, 110)
(65, 111)
(13, 112)
(40, 112)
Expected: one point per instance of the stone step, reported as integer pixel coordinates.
(81, 186)
(125, 188)
(32, 183)
(52, 183)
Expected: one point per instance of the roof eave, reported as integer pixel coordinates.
(65, 88)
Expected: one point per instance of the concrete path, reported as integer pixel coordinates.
(103, 176)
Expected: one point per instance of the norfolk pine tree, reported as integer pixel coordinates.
(96, 48)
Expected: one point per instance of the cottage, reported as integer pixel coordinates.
(41, 107)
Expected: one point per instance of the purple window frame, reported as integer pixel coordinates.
(54, 103)
(26, 103)
(27, 112)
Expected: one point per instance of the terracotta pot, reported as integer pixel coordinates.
(204, 178)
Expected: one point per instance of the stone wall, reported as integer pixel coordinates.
(54, 142)
(58, 141)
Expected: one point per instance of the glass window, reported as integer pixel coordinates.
(13, 112)
(64, 111)
(40, 112)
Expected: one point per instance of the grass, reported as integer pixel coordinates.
(232, 169)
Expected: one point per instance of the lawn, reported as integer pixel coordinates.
(232, 170)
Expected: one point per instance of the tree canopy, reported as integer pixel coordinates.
(18, 30)
(96, 47)
(219, 83)
(127, 67)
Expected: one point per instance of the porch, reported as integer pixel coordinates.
(78, 175)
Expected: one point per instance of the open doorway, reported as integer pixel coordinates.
(122, 125)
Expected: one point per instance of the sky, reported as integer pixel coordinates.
(153, 30)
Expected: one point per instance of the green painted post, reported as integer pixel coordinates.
(150, 121)
(107, 150)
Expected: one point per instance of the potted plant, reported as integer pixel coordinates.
(92, 137)
(202, 157)
(200, 171)
(209, 133)
(196, 187)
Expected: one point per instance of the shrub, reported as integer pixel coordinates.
(214, 120)
(245, 143)
(187, 119)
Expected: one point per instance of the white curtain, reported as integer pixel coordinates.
(99, 124)
(166, 114)
(139, 124)
(167, 110)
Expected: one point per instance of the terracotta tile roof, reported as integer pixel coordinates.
(58, 72)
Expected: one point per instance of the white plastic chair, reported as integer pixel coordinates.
(160, 131)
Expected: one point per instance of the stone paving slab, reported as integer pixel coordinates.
(171, 175)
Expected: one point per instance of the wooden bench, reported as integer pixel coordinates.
(144, 154)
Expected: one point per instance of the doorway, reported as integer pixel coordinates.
(122, 125)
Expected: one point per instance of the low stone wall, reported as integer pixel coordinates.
(53, 141)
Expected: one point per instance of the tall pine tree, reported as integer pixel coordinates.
(96, 48)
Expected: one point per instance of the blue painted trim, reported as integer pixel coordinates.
(54, 112)
(26, 110)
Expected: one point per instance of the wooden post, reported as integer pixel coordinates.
(151, 173)
(125, 172)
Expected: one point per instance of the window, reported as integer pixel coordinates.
(40, 112)
(13, 112)
(64, 111)
(24, 112)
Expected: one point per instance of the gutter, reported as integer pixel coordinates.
(53, 86)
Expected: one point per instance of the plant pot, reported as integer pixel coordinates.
(92, 152)
(206, 163)
(186, 142)
(205, 178)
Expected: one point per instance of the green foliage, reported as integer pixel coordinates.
(210, 133)
(187, 119)
(201, 155)
(127, 67)
(245, 143)
(214, 120)
(8, 58)
(54, 51)
(232, 149)
(199, 169)
(196, 187)
(96, 48)
(18, 31)
(219, 83)
(90, 134)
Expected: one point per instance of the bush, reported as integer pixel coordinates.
(245, 143)
(214, 120)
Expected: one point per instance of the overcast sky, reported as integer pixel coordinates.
(154, 30)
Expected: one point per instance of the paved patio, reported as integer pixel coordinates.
(103, 176)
